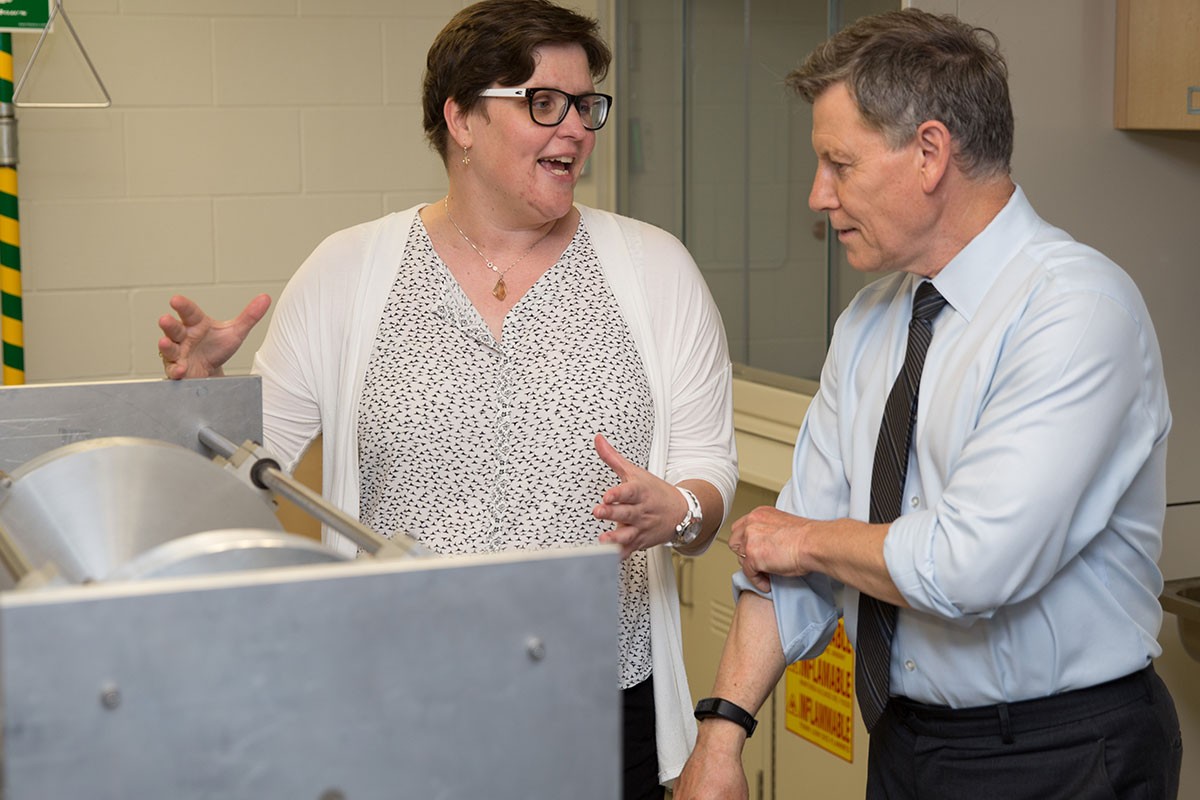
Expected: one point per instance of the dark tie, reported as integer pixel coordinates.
(876, 618)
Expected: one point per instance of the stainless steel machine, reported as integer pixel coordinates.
(162, 637)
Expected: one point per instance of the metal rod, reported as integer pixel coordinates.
(217, 443)
(312, 503)
(315, 505)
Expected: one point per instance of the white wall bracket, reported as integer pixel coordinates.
(59, 11)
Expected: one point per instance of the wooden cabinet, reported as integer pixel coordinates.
(1158, 65)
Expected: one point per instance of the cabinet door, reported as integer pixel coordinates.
(1158, 65)
(778, 762)
(803, 769)
(706, 611)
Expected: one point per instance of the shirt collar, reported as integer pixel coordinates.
(966, 279)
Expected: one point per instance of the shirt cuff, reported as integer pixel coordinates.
(907, 551)
(806, 614)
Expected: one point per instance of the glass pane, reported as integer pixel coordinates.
(715, 149)
(716, 180)
(649, 112)
(787, 273)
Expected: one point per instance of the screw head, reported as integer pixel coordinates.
(536, 648)
(110, 697)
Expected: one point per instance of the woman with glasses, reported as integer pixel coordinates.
(502, 368)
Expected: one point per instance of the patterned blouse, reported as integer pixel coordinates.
(472, 445)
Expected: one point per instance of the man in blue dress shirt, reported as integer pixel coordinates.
(1023, 563)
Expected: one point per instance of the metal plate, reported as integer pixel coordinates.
(234, 550)
(38, 418)
(467, 677)
(90, 507)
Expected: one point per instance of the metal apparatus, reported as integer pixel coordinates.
(162, 636)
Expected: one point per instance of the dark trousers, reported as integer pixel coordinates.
(1117, 740)
(639, 746)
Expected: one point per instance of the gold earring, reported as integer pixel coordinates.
(466, 159)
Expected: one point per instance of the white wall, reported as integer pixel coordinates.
(241, 133)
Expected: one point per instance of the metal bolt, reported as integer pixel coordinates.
(110, 697)
(536, 648)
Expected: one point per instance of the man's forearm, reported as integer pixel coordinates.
(751, 663)
(750, 668)
(775, 542)
(851, 552)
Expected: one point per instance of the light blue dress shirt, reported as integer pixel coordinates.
(1033, 509)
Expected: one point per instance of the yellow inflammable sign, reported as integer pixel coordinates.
(820, 697)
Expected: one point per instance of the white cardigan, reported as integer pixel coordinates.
(321, 335)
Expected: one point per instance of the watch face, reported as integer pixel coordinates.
(689, 533)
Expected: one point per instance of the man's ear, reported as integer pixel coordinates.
(936, 149)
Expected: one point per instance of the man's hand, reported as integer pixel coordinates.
(714, 771)
(772, 542)
(769, 542)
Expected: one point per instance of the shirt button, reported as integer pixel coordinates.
(914, 502)
(910, 665)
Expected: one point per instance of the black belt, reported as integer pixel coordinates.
(1008, 719)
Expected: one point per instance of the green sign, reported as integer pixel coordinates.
(24, 15)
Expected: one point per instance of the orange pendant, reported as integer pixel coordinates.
(500, 291)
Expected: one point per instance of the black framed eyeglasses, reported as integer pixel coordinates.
(548, 107)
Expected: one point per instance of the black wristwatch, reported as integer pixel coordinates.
(718, 707)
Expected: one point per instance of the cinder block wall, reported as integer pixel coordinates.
(241, 133)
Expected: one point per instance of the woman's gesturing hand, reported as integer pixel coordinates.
(645, 508)
(194, 345)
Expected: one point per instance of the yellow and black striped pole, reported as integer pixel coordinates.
(13, 328)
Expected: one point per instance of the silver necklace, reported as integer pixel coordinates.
(500, 290)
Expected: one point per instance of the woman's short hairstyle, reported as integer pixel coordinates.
(495, 41)
(907, 67)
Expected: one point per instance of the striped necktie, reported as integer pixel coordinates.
(876, 618)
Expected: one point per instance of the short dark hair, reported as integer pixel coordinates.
(494, 41)
(906, 67)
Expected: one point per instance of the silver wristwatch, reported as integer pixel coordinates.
(688, 528)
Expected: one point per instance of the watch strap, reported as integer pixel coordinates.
(720, 707)
(688, 529)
